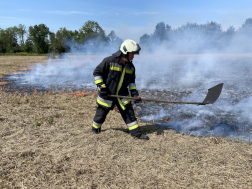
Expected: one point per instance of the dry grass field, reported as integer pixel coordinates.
(46, 142)
(8, 64)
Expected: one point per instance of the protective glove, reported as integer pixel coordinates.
(102, 91)
(134, 93)
(139, 100)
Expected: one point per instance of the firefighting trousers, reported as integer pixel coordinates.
(128, 116)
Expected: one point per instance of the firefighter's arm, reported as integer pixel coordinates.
(99, 71)
(133, 89)
(132, 85)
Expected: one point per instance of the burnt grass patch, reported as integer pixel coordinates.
(218, 120)
(210, 120)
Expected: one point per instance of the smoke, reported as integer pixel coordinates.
(244, 108)
(73, 72)
(229, 116)
(162, 113)
(194, 61)
(176, 68)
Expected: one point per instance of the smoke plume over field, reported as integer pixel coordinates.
(229, 115)
(172, 74)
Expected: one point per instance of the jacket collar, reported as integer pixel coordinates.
(117, 56)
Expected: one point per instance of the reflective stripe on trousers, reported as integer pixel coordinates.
(127, 115)
(97, 125)
(125, 101)
(132, 125)
(103, 102)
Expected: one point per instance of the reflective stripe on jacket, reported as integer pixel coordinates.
(119, 78)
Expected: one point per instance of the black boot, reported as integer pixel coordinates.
(142, 136)
(96, 131)
(138, 134)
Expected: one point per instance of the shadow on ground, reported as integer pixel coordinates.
(149, 129)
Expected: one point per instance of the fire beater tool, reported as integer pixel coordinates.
(212, 95)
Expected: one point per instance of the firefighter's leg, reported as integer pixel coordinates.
(130, 119)
(99, 118)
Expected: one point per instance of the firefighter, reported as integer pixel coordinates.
(116, 75)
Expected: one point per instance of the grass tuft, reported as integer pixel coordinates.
(38, 123)
(50, 120)
(27, 154)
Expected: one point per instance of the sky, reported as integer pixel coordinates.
(129, 19)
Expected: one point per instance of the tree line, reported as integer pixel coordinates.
(89, 38)
(197, 38)
(189, 38)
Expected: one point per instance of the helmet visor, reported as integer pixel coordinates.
(138, 50)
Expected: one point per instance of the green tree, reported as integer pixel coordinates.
(230, 30)
(63, 36)
(28, 46)
(53, 43)
(168, 32)
(112, 36)
(212, 29)
(89, 30)
(21, 31)
(74, 35)
(226, 38)
(9, 41)
(212, 32)
(145, 40)
(92, 35)
(248, 23)
(190, 32)
(113, 40)
(246, 28)
(160, 33)
(243, 39)
(2, 41)
(39, 36)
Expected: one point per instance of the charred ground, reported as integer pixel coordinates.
(171, 77)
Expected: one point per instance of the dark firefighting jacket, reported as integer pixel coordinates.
(119, 78)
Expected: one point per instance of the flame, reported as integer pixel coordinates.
(198, 122)
(23, 91)
(23, 69)
(116, 109)
(165, 119)
(4, 83)
(80, 94)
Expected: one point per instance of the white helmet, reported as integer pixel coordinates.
(129, 46)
